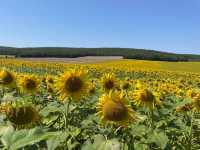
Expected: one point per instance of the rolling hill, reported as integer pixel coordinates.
(70, 52)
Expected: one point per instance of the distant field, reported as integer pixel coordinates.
(181, 66)
(118, 61)
(111, 61)
(86, 59)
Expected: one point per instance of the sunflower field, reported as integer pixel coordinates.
(113, 105)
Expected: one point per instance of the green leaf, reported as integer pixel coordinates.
(55, 141)
(100, 143)
(22, 138)
(50, 108)
(139, 130)
(159, 138)
(139, 146)
(6, 129)
(6, 132)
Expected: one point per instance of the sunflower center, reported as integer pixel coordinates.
(30, 84)
(22, 115)
(114, 111)
(109, 84)
(7, 78)
(73, 84)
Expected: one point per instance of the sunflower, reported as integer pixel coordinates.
(50, 88)
(92, 89)
(192, 93)
(7, 78)
(125, 85)
(196, 103)
(179, 93)
(109, 82)
(184, 108)
(72, 84)
(28, 84)
(139, 85)
(21, 115)
(145, 97)
(49, 80)
(114, 108)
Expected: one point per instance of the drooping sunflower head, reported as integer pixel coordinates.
(7, 78)
(72, 84)
(145, 97)
(114, 108)
(21, 115)
(192, 93)
(196, 103)
(185, 108)
(28, 84)
(179, 92)
(109, 82)
(125, 85)
(50, 88)
(49, 80)
(92, 89)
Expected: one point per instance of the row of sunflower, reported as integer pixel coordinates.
(72, 85)
(118, 102)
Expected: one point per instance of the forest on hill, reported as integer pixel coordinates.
(127, 53)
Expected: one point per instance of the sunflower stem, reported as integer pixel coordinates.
(152, 118)
(190, 132)
(3, 92)
(119, 128)
(66, 117)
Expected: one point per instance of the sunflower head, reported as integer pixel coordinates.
(125, 85)
(184, 108)
(21, 115)
(196, 103)
(180, 93)
(28, 84)
(192, 93)
(114, 108)
(7, 78)
(92, 89)
(43, 79)
(109, 82)
(145, 97)
(139, 85)
(50, 88)
(49, 80)
(72, 84)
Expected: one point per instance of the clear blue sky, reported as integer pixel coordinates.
(168, 25)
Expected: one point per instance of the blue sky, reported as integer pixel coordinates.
(168, 25)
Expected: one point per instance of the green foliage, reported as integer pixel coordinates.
(14, 140)
(75, 126)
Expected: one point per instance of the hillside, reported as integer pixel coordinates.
(78, 52)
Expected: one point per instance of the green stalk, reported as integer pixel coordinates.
(151, 114)
(190, 132)
(66, 114)
(152, 120)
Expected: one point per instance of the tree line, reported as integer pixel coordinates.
(127, 53)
